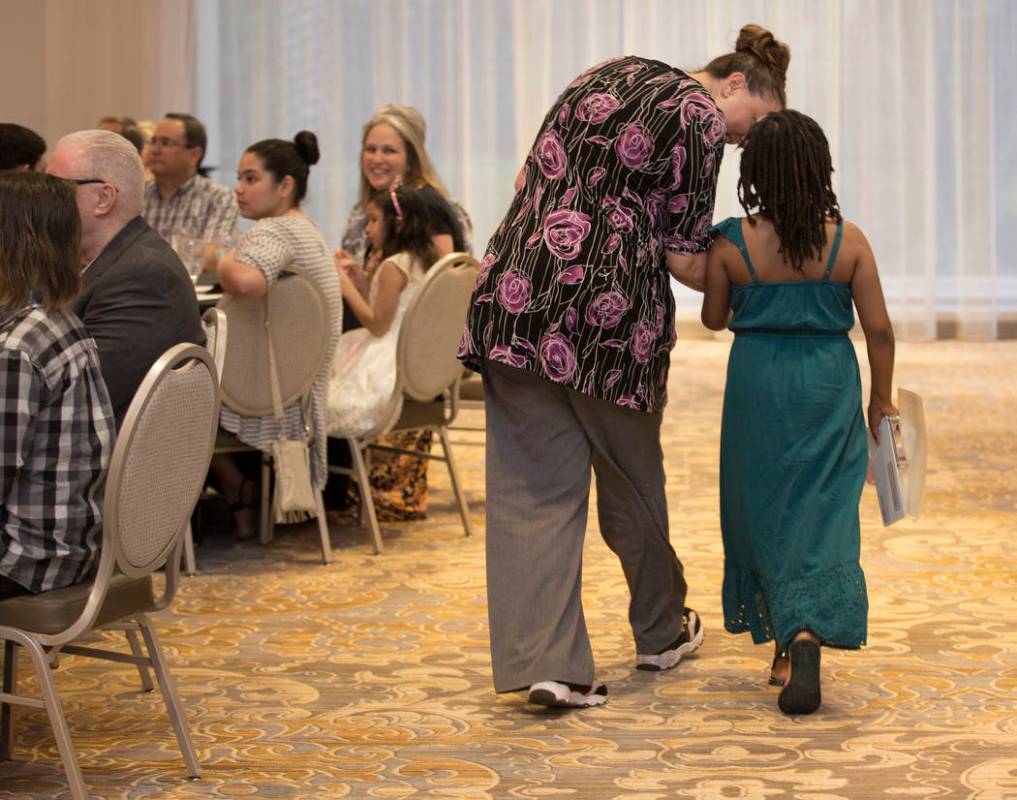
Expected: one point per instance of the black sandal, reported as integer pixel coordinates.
(775, 681)
(801, 694)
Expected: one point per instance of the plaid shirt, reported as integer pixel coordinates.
(200, 207)
(57, 439)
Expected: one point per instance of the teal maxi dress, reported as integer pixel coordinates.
(793, 458)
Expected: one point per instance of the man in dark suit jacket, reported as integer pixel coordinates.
(136, 298)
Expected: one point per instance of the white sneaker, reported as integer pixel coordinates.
(670, 656)
(564, 695)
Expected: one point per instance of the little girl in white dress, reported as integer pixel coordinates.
(361, 392)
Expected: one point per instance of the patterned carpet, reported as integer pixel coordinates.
(371, 678)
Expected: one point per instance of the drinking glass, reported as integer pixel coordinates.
(191, 250)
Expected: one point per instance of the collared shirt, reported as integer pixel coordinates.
(574, 286)
(57, 439)
(201, 208)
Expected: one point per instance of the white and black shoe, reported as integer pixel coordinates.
(567, 695)
(670, 656)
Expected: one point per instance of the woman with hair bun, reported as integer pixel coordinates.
(271, 183)
(572, 324)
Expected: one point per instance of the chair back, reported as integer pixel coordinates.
(160, 462)
(433, 327)
(296, 311)
(213, 321)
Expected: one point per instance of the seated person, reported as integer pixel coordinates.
(271, 183)
(136, 298)
(58, 422)
(393, 152)
(21, 148)
(361, 391)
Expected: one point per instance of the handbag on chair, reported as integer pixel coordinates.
(294, 498)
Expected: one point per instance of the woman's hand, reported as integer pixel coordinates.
(877, 410)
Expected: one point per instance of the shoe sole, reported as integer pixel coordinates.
(801, 694)
(544, 694)
(671, 658)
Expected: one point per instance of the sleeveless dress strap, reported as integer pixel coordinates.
(731, 229)
(833, 252)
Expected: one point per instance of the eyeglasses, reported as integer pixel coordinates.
(162, 141)
(83, 181)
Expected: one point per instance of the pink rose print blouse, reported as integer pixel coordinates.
(574, 285)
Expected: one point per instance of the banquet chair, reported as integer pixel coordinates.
(471, 398)
(213, 322)
(427, 379)
(297, 312)
(156, 472)
(216, 328)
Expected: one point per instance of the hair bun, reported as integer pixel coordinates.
(758, 41)
(307, 147)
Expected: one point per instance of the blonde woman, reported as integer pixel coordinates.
(393, 154)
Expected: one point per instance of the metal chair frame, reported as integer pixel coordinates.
(115, 562)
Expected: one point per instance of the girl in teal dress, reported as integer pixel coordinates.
(793, 448)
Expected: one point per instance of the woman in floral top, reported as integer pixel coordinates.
(572, 324)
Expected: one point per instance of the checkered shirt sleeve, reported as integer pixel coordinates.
(57, 439)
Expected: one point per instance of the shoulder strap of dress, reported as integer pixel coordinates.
(731, 228)
(833, 251)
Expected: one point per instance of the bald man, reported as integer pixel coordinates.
(136, 298)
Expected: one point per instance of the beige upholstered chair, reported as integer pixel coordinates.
(427, 376)
(299, 319)
(216, 328)
(214, 323)
(156, 472)
(471, 398)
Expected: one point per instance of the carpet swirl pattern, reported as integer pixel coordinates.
(370, 678)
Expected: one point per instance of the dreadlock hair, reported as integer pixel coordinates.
(785, 174)
(407, 218)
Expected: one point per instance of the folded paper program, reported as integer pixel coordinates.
(898, 460)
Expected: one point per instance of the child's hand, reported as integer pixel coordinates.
(343, 260)
(877, 410)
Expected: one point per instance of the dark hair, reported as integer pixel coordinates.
(283, 158)
(761, 58)
(407, 229)
(19, 146)
(126, 127)
(194, 136)
(786, 173)
(40, 238)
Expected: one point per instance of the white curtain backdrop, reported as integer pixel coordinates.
(916, 97)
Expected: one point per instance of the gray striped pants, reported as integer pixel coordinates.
(542, 440)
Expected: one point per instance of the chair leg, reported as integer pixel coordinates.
(366, 500)
(326, 542)
(190, 565)
(57, 721)
(132, 639)
(10, 686)
(453, 473)
(265, 529)
(170, 697)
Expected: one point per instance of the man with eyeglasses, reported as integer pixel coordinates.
(179, 198)
(136, 298)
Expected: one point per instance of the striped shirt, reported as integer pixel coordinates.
(271, 245)
(201, 208)
(57, 439)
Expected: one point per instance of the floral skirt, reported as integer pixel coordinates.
(398, 482)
